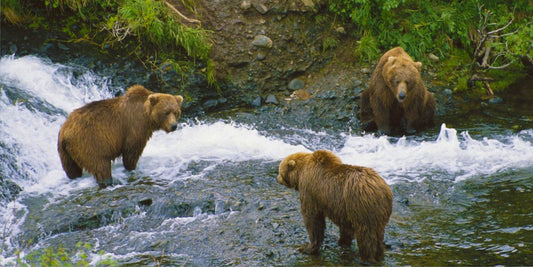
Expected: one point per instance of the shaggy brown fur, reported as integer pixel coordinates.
(396, 92)
(97, 133)
(355, 198)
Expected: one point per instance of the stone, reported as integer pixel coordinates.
(296, 84)
(271, 99)
(261, 55)
(308, 3)
(210, 103)
(13, 48)
(245, 5)
(62, 47)
(495, 100)
(432, 57)
(262, 41)
(256, 102)
(262, 9)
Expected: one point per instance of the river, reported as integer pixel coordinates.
(206, 195)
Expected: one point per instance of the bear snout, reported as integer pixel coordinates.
(173, 127)
(401, 96)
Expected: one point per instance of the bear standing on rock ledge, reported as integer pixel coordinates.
(97, 133)
(355, 198)
(396, 98)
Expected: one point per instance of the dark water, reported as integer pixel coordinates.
(206, 195)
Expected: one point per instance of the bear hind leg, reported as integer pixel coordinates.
(315, 226)
(72, 169)
(346, 236)
(370, 245)
(101, 171)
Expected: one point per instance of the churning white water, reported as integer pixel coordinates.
(36, 95)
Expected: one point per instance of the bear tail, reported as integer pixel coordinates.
(72, 169)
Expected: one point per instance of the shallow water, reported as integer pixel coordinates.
(207, 193)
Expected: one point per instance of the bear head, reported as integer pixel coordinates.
(401, 75)
(292, 167)
(289, 169)
(164, 111)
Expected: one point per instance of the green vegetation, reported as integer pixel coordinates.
(62, 257)
(496, 35)
(152, 30)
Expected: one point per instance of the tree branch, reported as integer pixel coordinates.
(181, 15)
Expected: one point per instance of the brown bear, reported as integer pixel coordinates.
(396, 98)
(355, 198)
(97, 133)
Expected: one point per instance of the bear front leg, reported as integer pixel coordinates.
(130, 157)
(411, 119)
(315, 226)
(381, 117)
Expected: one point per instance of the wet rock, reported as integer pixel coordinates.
(495, 100)
(210, 103)
(271, 99)
(145, 202)
(222, 100)
(262, 9)
(256, 102)
(13, 48)
(62, 47)
(8, 190)
(448, 92)
(262, 41)
(296, 84)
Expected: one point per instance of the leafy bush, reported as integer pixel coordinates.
(439, 27)
(424, 26)
(155, 33)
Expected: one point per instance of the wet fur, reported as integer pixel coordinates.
(355, 198)
(97, 133)
(380, 103)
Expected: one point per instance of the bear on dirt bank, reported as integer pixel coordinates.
(355, 198)
(97, 133)
(396, 98)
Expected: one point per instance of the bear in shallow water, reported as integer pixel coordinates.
(97, 133)
(355, 198)
(396, 98)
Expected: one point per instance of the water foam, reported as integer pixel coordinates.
(55, 83)
(450, 156)
(214, 142)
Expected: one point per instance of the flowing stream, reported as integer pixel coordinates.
(207, 193)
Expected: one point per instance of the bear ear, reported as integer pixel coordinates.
(418, 65)
(179, 99)
(391, 59)
(291, 163)
(153, 99)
